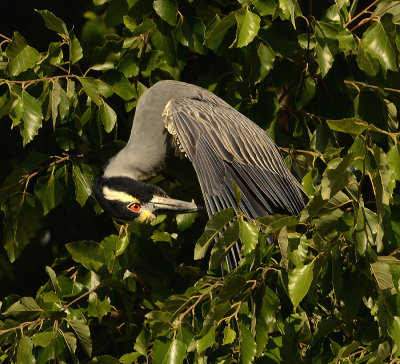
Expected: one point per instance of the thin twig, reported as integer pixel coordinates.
(5, 37)
(79, 298)
(24, 324)
(27, 83)
(362, 12)
(193, 306)
(353, 83)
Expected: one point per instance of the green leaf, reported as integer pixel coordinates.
(248, 25)
(54, 23)
(248, 234)
(290, 9)
(42, 339)
(233, 284)
(378, 42)
(118, 84)
(206, 341)
(263, 63)
(229, 336)
(248, 346)
(107, 116)
(365, 61)
(83, 177)
(161, 236)
(284, 247)
(75, 49)
(381, 183)
(214, 226)
(91, 88)
(24, 351)
(299, 282)
(55, 100)
(349, 125)
(331, 39)
(266, 318)
(122, 244)
(50, 192)
(184, 221)
(336, 176)
(129, 358)
(217, 29)
(393, 160)
(21, 221)
(89, 253)
(166, 351)
(83, 333)
(393, 323)
(20, 55)
(17, 109)
(223, 244)
(274, 223)
(31, 116)
(98, 307)
(190, 33)
(70, 340)
(142, 342)
(53, 279)
(265, 7)
(25, 304)
(384, 278)
(366, 229)
(167, 10)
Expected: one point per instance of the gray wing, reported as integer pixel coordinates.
(224, 146)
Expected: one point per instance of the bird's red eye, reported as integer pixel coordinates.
(135, 207)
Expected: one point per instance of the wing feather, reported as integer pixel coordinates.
(224, 146)
(216, 138)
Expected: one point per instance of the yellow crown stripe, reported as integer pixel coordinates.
(114, 195)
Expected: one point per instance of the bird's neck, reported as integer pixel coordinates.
(139, 161)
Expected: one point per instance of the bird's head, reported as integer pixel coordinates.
(128, 199)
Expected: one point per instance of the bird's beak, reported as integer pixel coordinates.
(166, 205)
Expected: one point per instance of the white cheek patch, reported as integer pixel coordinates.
(114, 195)
(145, 217)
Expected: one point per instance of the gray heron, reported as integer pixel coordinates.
(223, 146)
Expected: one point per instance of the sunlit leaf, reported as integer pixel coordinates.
(378, 41)
(247, 345)
(50, 192)
(24, 351)
(83, 333)
(75, 49)
(32, 117)
(290, 9)
(53, 22)
(20, 55)
(91, 88)
(83, 178)
(299, 282)
(89, 253)
(108, 116)
(248, 25)
(166, 351)
(213, 228)
(248, 234)
(167, 10)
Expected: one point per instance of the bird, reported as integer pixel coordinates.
(177, 120)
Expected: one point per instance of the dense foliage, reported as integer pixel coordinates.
(321, 77)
